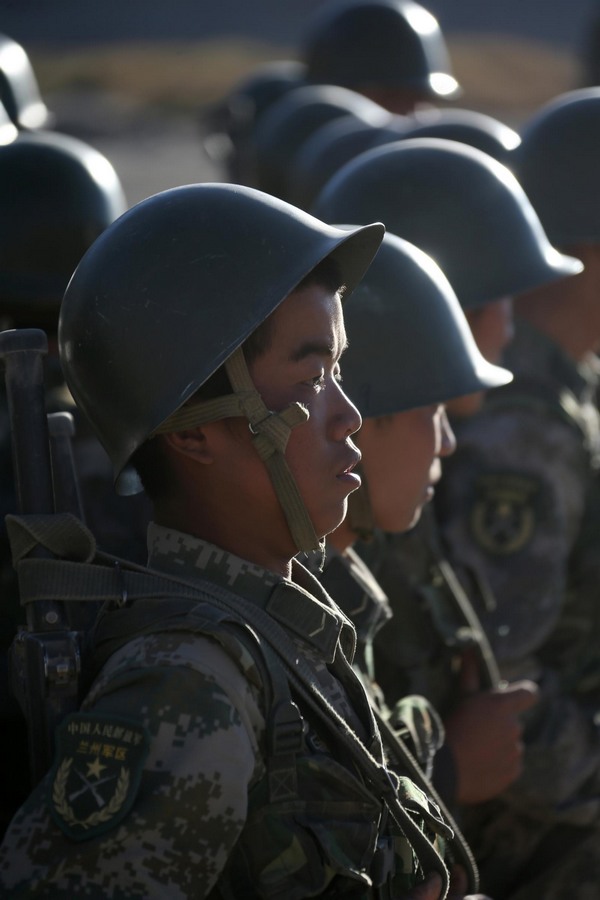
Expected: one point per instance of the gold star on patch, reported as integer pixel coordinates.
(96, 768)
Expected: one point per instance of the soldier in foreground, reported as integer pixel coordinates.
(202, 335)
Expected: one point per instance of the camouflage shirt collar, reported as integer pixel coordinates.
(301, 605)
(354, 587)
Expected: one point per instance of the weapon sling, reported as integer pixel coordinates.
(45, 655)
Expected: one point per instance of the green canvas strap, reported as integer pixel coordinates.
(270, 435)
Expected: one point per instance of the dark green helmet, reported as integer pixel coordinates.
(19, 91)
(409, 343)
(57, 194)
(171, 289)
(332, 146)
(231, 123)
(293, 119)
(463, 208)
(389, 43)
(557, 164)
(468, 127)
(8, 129)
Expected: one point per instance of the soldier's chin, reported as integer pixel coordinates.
(335, 521)
(409, 522)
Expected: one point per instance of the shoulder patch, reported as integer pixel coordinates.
(504, 512)
(96, 773)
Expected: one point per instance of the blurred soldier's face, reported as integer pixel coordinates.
(401, 462)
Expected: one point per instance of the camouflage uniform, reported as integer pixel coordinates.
(349, 581)
(433, 627)
(518, 505)
(178, 798)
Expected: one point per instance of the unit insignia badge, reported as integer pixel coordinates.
(504, 512)
(97, 772)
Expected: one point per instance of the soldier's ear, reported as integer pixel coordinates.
(192, 443)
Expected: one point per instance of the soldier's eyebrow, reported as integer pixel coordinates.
(317, 348)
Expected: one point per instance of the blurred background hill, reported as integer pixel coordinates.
(132, 77)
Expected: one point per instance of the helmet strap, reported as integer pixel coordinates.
(270, 434)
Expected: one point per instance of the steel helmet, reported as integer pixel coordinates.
(289, 122)
(409, 343)
(170, 292)
(329, 148)
(231, 123)
(8, 130)
(468, 127)
(557, 164)
(57, 194)
(463, 208)
(19, 91)
(392, 43)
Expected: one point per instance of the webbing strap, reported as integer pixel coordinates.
(270, 435)
(62, 534)
(400, 751)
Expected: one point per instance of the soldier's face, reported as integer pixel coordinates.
(301, 363)
(401, 462)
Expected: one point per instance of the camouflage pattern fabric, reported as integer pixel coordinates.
(518, 505)
(513, 498)
(350, 582)
(420, 650)
(159, 790)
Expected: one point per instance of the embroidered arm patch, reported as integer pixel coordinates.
(504, 512)
(97, 772)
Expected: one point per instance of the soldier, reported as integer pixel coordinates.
(57, 194)
(468, 127)
(231, 123)
(225, 747)
(392, 51)
(293, 119)
(485, 257)
(335, 144)
(519, 504)
(410, 351)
